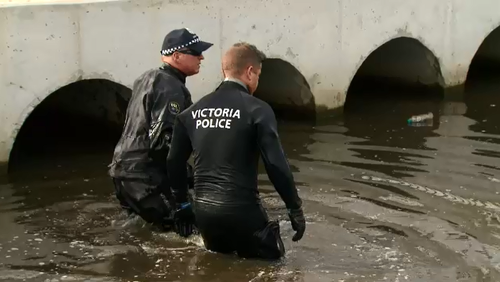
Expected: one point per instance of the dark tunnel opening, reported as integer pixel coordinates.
(402, 68)
(286, 90)
(486, 61)
(80, 120)
(400, 79)
(482, 89)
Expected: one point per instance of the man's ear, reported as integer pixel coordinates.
(175, 56)
(249, 71)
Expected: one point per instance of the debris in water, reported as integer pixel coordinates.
(421, 120)
(493, 179)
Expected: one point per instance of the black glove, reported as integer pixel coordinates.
(184, 220)
(298, 223)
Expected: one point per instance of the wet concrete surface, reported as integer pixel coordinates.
(384, 201)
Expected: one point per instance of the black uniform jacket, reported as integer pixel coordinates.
(227, 131)
(158, 96)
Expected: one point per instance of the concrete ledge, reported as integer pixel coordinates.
(13, 3)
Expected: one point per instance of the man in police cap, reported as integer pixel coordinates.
(228, 130)
(138, 167)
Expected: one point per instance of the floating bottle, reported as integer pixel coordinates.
(421, 118)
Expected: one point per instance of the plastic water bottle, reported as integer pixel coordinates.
(421, 118)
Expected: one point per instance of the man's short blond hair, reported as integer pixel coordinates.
(240, 56)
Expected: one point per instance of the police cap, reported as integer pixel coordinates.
(182, 38)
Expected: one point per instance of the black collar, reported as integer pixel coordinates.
(232, 85)
(175, 72)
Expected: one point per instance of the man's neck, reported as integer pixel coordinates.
(236, 81)
(175, 71)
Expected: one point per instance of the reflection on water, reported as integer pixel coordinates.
(385, 201)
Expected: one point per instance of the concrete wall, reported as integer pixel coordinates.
(48, 46)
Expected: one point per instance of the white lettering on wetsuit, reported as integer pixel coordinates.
(215, 117)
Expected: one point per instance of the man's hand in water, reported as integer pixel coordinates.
(184, 220)
(298, 223)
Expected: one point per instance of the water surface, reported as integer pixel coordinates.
(384, 201)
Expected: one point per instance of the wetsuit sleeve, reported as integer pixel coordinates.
(176, 162)
(274, 158)
(167, 103)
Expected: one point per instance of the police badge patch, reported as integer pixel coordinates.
(174, 107)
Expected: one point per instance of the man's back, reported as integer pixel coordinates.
(222, 130)
(229, 129)
(141, 151)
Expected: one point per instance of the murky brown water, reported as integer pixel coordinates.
(385, 201)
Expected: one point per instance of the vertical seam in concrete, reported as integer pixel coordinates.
(451, 39)
(79, 38)
(451, 21)
(221, 33)
(340, 59)
(447, 53)
(341, 11)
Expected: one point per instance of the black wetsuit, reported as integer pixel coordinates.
(139, 167)
(227, 131)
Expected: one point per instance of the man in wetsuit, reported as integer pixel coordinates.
(138, 167)
(227, 131)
